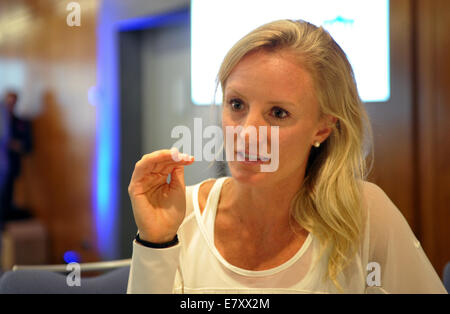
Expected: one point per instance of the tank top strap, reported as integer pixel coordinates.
(211, 206)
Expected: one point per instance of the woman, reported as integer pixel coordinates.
(313, 225)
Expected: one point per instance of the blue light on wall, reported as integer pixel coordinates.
(147, 22)
(105, 182)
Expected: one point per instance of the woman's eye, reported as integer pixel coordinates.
(277, 112)
(236, 104)
(280, 113)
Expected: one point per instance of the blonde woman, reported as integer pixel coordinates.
(312, 226)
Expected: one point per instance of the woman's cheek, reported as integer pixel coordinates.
(292, 147)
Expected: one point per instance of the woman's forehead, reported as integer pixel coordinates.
(272, 74)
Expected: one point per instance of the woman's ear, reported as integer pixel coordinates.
(325, 127)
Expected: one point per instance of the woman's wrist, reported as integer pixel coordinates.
(157, 245)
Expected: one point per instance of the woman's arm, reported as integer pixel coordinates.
(159, 208)
(153, 270)
(403, 265)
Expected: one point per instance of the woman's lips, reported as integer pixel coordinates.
(250, 159)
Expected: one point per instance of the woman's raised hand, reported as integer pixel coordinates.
(158, 207)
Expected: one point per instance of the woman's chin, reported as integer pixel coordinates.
(248, 174)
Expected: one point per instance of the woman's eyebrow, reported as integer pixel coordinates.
(233, 91)
(282, 102)
(272, 102)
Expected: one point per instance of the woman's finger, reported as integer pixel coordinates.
(156, 164)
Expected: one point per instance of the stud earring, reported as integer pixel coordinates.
(317, 144)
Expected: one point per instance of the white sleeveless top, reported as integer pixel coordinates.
(196, 266)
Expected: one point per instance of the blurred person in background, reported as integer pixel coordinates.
(15, 142)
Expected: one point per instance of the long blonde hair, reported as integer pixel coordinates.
(329, 203)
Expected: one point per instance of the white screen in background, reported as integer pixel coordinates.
(360, 27)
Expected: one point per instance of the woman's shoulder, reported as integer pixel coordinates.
(378, 204)
(189, 225)
(385, 218)
(372, 190)
(204, 187)
(377, 201)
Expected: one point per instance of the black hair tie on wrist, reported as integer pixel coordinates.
(157, 245)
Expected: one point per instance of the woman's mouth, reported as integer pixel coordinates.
(251, 159)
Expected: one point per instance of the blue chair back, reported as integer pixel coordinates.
(48, 282)
(446, 278)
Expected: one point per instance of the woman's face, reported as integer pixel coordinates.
(272, 89)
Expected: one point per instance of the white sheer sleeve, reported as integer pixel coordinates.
(155, 270)
(403, 265)
(152, 270)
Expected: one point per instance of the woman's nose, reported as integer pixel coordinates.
(254, 127)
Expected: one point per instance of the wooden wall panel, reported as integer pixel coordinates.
(443, 133)
(392, 121)
(432, 81)
(56, 179)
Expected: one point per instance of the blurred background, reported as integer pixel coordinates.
(84, 97)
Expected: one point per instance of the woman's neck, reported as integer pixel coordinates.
(265, 206)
